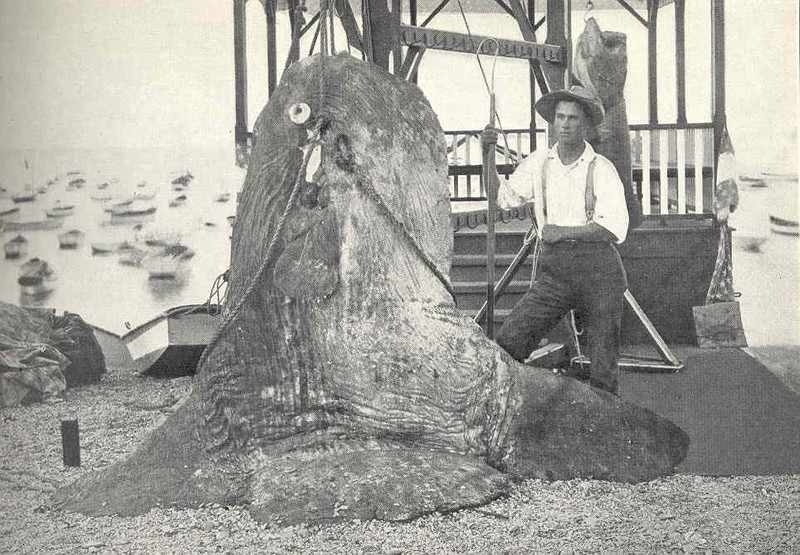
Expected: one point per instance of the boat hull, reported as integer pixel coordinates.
(171, 344)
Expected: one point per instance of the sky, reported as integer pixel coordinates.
(149, 74)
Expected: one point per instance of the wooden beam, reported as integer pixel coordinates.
(505, 7)
(680, 59)
(633, 12)
(525, 27)
(461, 42)
(397, 48)
(349, 24)
(652, 60)
(240, 71)
(435, 12)
(556, 35)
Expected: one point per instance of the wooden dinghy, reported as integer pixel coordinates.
(170, 344)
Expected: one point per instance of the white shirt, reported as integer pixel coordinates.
(566, 189)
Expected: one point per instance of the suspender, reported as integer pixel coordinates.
(589, 198)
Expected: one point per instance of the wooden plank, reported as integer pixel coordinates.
(681, 140)
(663, 165)
(633, 12)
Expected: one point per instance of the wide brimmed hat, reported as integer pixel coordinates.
(546, 106)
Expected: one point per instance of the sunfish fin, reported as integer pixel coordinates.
(394, 482)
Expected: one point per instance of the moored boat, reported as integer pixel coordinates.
(180, 200)
(122, 203)
(60, 210)
(16, 247)
(70, 239)
(133, 213)
(28, 195)
(171, 343)
(76, 183)
(223, 197)
(784, 226)
(35, 277)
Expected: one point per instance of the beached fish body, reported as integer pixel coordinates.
(345, 383)
(601, 65)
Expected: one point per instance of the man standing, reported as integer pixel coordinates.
(579, 203)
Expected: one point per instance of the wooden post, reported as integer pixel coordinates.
(70, 443)
(272, 57)
(718, 72)
(652, 60)
(680, 59)
(240, 73)
(532, 81)
(556, 34)
(489, 177)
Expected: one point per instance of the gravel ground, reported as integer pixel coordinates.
(682, 513)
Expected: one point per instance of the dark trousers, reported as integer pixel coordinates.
(585, 276)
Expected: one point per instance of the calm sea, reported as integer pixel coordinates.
(105, 292)
(109, 294)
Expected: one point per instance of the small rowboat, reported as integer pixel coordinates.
(34, 277)
(71, 239)
(171, 344)
(783, 226)
(16, 247)
(132, 214)
(24, 196)
(60, 210)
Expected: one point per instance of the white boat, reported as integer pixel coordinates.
(783, 226)
(35, 277)
(133, 213)
(132, 257)
(70, 239)
(16, 247)
(171, 343)
(60, 210)
(28, 195)
(223, 197)
(122, 203)
(145, 194)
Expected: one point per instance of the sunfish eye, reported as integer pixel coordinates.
(299, 113)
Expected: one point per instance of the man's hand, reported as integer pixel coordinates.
(551, 234)
(489, 136)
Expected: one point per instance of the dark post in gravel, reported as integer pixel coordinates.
(345, 383)
(70, 443)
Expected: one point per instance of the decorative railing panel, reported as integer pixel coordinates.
(682, 154)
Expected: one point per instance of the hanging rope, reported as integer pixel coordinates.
(489, 89)
(299, 178)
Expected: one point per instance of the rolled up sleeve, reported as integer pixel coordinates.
(610, 209)
(518, 188)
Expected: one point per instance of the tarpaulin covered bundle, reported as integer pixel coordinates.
(41, 354)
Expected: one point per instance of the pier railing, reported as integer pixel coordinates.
(682, 153)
